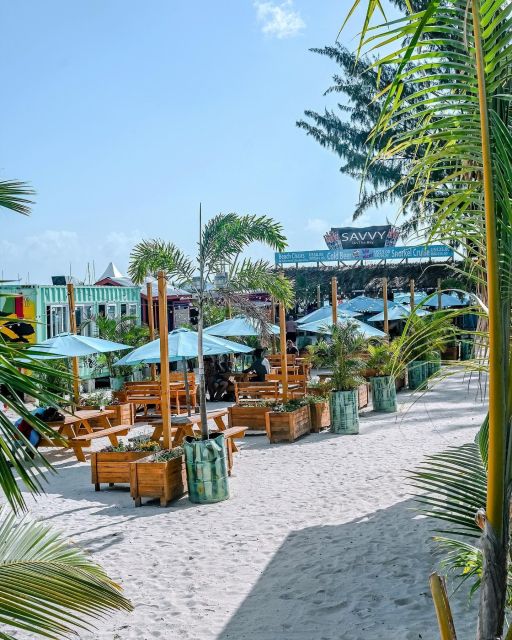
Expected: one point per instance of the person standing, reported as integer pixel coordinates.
(291, 329)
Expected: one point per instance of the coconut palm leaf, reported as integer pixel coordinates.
(48, 587)
(148, 257)
(13, 196)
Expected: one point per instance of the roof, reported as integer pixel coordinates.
(111, 272)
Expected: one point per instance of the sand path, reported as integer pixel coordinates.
(318, 540)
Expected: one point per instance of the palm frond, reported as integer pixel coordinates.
(148, 257)
(47, 587)
(14, 196)
(259, 275)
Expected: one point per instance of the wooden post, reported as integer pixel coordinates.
(439, 295)
(442, 606)
(284, 359)
(411, 294)
(164, 360)
(151, 321)
(318, 296)
(385, 299)
(334, 300)
(72, 327)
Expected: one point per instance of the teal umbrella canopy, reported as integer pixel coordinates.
(323, 327)
(240, 326)
(182, 345)
(69, 345)
(405, 298)
(398, 312)
(365, 304)
(448, 300)
(325, 313)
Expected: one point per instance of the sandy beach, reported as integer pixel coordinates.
(319, 540)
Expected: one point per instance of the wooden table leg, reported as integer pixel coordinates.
(79, 453)
(229, 446)
(113, 440)
(219, 422)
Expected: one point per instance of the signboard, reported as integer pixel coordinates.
(362, 237)
(181, 316)
(383, 253)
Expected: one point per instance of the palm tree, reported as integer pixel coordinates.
(222, 241)
(462, 49)
(38, 568)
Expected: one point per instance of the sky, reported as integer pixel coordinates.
(125, 115)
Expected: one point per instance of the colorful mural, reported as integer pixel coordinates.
(17, 319)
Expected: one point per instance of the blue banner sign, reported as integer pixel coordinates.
(380, 253)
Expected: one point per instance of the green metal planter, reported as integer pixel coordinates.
(467, 349)
(344, 412)
(383, 393)
(434, 366)
(417, 373)
(207, 469)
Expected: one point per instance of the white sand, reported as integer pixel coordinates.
(318, 540)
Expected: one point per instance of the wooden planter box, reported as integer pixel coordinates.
(320, 416)
(363, 396)
(113, 466)
(314, 391)
(287, 427)
(251, 417)
(124, 414)
(450, 353)
(165, 480)
(400, 382)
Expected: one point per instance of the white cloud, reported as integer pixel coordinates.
(317, 225)
(279, 20)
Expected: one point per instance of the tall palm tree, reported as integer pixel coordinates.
(47, 587)
(463, 50)
(222, 241)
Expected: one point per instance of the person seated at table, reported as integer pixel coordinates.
(221, 383)
(291, 348)
(45, 414)
(260, 366)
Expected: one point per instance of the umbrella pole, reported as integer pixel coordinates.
(151, 321)
(334, 300)
(385, 299)
(411, 294)
(72, 326)
(187, 388)
(439, 295)
(284, 359)
(164, 360)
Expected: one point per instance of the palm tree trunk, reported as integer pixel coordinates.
(495, 537)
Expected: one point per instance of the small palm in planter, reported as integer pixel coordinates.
(222, 241)
(382, 361)
(343, 355)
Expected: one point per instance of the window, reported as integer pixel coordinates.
(123, 309)
(111, 311)
(132, 310)
(57, 320)
(83, 319)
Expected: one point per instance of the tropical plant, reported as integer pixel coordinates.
(463, 49)
(382, 358)
(343, 354)
(222, 241)
(124, 330)
(47, 587)
(424, 337)
(38, 569)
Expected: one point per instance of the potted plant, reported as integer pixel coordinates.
(124, 412)
(343, 355)
(112, 464)
(161, 475)
(288, 421)
(319, 413)
(382, 362)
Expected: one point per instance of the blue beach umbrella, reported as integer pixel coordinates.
(325, 313)
(324, 328)
(398, 312)
(365, 304)
(182, 346)
(239, 327)
(69, 345)
(448, 300)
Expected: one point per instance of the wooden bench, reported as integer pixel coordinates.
(275, 359)
(147, 394)
(296, 384)
(256, 391)
(78, 443)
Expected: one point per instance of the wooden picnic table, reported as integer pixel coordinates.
(182, 426)
(73, 426)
